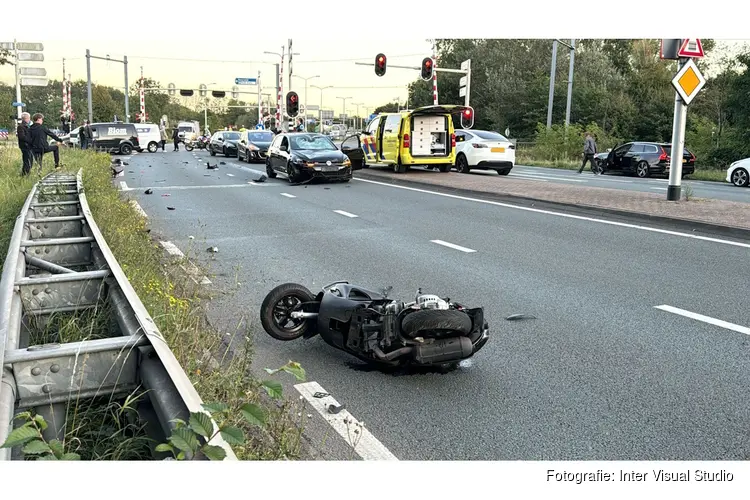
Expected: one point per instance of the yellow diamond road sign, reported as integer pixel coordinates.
(688, 81)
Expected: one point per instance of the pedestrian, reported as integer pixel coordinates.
(300, 125)
(589, 150)
(176, 139)
(39, 142)
(163, 133)
(24, 143)
(84, 135)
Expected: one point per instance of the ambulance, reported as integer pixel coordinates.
(419, 137)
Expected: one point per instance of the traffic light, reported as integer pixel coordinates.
(467, 117)
(428, 66)
(292, 104)
(186, 93)
(380, 64)
(219, 94)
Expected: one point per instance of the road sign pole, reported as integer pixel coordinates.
(678, 144)
(88, 77)
(570, 80)
(127, 91)
(552, 84)
(19, 109)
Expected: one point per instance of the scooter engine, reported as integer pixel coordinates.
(428, 301)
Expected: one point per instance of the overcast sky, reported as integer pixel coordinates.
(329, 37)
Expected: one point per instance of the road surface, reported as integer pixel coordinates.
(701, 189)
(617, 365)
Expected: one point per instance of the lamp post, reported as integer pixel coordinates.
(320, 110)
(358, 104)
(305, 79)
(344, 106)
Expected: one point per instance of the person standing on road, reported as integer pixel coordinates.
(176, 138)
(39, 142)
(589, 150)
(163, 134)
(84, 135)
(24, 143)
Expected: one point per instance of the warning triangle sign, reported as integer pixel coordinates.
(691, 47)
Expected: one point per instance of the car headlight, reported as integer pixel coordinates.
(347, 162)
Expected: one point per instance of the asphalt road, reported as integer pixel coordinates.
(701, 189)
(600, 374)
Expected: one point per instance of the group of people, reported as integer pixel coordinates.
(33, 142)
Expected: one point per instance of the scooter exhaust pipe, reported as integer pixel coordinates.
(305, 315)
(392, 355)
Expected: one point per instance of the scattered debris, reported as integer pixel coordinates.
(211, 167)
(149, 191)
(131, 172)
(171, 208)
(319, 395)
(516, 317)
(326, 188)
(335, 409)
(125, 163)
(191, 237)
(165, 195)
(212, 250)
(163, 180)
(222, 163)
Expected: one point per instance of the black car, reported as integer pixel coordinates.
(643, 159)
(224, 142)
(253, 145)
(115, 137)
(302, 156)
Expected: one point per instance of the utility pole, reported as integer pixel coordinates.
(88, 73)
(127, 90)
(570, 80)
(88, 77)
(344, 106)
(552, 84)
(19, 109)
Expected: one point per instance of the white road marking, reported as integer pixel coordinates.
(537, 176)
(138, 208)
(230, 175)
(453, 246)
(191, 269)
(363, 442)
(345, 214)
(705, 319)
(217, 186)
(560, 214)
(659, 189)
(124, 186)
(288, 195)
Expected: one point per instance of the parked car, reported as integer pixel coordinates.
(224, 142)
(484, 150)
(738, 173)
(149, 136)
(644, 159)
(302, 156)
(253, 145)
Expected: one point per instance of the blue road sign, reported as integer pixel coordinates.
(245, 81)
(260, 126)
(16, 104)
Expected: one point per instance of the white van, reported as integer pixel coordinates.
(148, 136)
(188, 130)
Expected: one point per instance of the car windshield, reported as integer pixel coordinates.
(489, 136)
(315, 142)
(261, 136)
(232, 136)
(185, 129)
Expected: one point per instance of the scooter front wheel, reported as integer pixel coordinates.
(276, 309)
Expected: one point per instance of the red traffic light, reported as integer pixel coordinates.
(467, 117)
(427, 69)
(467, 113)
(380, 64)
(428, 63)
(381, 59)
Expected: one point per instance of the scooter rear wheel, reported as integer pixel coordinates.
(276, 308)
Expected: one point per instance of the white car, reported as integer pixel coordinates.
(738, 173)
(483, 150)
(149, 136)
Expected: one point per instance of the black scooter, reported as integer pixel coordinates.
(430, 331)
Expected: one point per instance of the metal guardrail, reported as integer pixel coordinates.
(58, 262)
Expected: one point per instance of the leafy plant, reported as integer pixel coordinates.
(30, 436)
(191, 439)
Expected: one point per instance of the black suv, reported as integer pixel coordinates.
(115, 137)
(643, 159)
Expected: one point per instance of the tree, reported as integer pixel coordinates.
(4, 57)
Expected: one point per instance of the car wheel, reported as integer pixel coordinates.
(270, 171)
(462, 164)
(290, 174)
(641, 170)
(503, 172)
(126, 149)
(740, 177)
(152, 147)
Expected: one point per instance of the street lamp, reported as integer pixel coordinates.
(320, 110)
(305, 79)
(205, 106)
(344, 106)
(358, 104)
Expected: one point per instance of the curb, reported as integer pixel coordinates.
(585, 210)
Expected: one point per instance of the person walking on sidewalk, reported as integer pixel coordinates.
(24, 143)
(589, 150)
(39, 142)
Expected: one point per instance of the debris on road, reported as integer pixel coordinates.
(516, 317)
(165, 195)
(149, 191)
(171, 208)
(212, 249)
(211, 167)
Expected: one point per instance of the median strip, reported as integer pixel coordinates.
(705, 319)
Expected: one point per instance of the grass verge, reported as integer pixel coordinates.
(526, 159)
(218, 364)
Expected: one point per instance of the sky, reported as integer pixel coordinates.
(328, 36)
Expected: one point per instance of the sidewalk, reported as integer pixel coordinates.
(719, 213)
